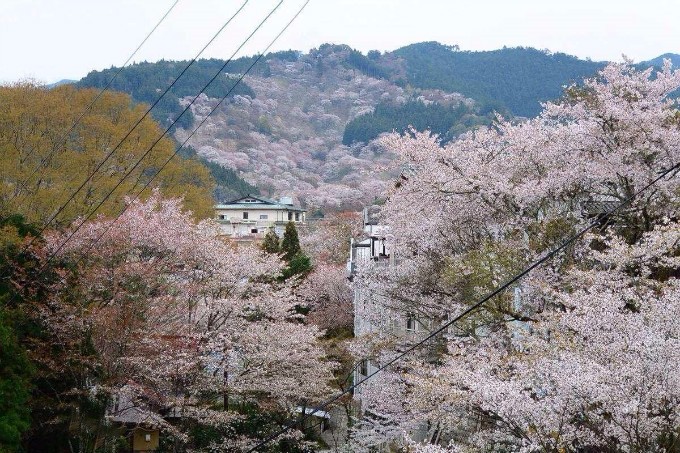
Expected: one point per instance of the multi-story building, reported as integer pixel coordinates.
(375, 315)
(250, 217)
(371, 317)
(370, 314)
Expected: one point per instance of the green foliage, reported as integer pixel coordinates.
(298, 262)
(16, 371)
(33, 120)
(284, 55)
(263, 125)
(229, 184)
(477, 272)
(38, 375)
(146, 81)
(270, 244)
(366, 65)
(373, 55)
(444, 121)
(290, 245)
(519, 78)
(300, 265)
(15, 382)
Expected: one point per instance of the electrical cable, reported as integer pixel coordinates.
(474, 306)
(148, 183)
(108, 156)
(148, 151)
(62, 141)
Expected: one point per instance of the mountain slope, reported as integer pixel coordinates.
(305, 124)
(514, 78)
(658, 61)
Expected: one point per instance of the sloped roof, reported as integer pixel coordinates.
(256, 197)
(239, 203)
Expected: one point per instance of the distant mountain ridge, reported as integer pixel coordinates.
(658, 61)
(305, 124)
(60, 82)
(517, 79)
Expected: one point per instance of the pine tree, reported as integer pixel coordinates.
(290, 246)
(15, 372)
(271, 242)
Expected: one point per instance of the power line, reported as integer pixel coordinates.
(475, 306)
(39, 234)
(148, 151)
(62, 141)
(148, 183)
(108, 156)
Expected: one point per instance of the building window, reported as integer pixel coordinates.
(410, 322)
(253, 231)
(250, 200)
(290, 216)
(264, 216)
(297, 216)
(221, 216)
(363, 367)
(245, 216)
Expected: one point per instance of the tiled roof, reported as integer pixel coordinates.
(264, 203)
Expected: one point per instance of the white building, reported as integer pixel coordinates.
(250, 217)
(370, 314)
(372, 318)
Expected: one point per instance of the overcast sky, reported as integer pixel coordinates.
(49, 40)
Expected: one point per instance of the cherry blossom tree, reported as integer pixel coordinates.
(192, 326)
(327, 240)
(327, 295)
(582, 355)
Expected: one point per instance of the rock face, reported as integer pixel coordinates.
(287, 140)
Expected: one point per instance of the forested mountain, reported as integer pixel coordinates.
(658, 61)
(146, 81)
(446, 121)
(514, 78)
(305, 124)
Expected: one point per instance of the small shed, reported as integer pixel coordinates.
(141, 426)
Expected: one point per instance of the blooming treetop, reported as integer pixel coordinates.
(177, 312)
(584, 353)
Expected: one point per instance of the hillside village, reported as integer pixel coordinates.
(286, 132)
(425, 250)
(288, 138)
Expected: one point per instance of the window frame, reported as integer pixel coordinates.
(411, 322)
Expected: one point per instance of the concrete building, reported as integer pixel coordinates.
(371, 317)
(250, 217)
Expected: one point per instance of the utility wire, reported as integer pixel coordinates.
(473, 307)
(148, 151)
(108, 156)
(62, 141)
(39, 234)
(148, 183)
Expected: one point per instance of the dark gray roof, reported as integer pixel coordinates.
(239, 203)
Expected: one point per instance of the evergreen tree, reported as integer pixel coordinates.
(15, 374)
(290, 246)
(300, 264)
(271, 242)
(16, 371)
